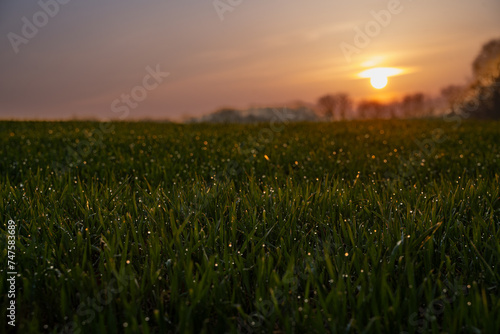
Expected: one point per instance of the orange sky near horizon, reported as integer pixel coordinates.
(86, 56)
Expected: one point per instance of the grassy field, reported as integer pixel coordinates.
(347, 227)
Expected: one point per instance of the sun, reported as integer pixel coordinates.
(379, 75)
(379, 81)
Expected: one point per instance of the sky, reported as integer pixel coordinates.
(172, 59)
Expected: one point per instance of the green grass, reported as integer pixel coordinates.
(355, 227)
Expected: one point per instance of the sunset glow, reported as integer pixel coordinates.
(379, 75)
(379, 81)
(238, 55)
(231, 166)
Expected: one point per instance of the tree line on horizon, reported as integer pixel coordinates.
(479, 98)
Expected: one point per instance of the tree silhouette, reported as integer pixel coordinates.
(328, 103)
(332, 104)
(370, 109)
(452, 94)
(344, 104)
(413, 105)
(482, 99)
(488, 59)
